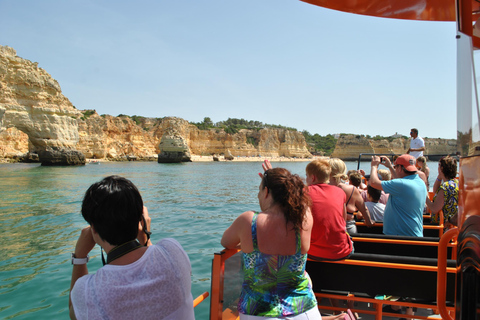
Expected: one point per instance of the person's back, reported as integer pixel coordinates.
(329, 237)
(376, 209)
(275, 243)
(276, 283)
(156, 286)
(404, 209)
(407, 193)
(138, 279)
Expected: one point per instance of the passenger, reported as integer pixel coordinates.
(404, 209)
(282, 229)
(417, 145)
(329, 240)
(355, 179)
(422, 166)
(354, 201)
(138, 280)
(384, 175)
(446, 192)
(376, 209)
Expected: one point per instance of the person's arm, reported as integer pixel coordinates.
(85, 244)
(231, 238)
(437, 205)
(360, 204)
(374, 180)
(142, 236)
(437, 184)
(416, 149)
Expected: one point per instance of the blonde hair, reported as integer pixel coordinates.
(320, 168)
(385, 174)
(339, 170)
(424, 165)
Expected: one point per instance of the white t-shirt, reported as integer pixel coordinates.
(376, 209)
(156, 286)
(417, 143)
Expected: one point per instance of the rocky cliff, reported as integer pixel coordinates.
(174, 139)
(348, 147)
(32, 102)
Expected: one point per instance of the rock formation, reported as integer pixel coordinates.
(349, 146)
(32, 102)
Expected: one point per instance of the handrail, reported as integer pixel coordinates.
(390, 265)
(218, 270)
(395, 241)
(372, 154)
(200, 298)
(442, 271)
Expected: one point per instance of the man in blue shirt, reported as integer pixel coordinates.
(404, 209)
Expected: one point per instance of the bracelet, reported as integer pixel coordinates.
(439, 180)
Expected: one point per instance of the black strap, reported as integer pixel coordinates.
(351, 194)
(122, 250)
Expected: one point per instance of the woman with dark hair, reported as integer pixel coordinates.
(137, 280)
(446, 192)
(278, 235)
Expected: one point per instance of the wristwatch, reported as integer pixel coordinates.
(79, 260)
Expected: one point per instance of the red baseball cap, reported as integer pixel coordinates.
(407, 161)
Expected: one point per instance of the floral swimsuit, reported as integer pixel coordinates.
(275, 285)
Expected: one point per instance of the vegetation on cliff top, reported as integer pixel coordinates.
(233, 125)
(320, 144)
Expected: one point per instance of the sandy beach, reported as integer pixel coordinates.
(196, 158)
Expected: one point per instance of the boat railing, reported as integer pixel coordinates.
(226, 285)
(227, 279)
(430, 157)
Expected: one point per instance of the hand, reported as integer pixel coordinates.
(141, 236)
(85, 243)
(362, 172)
(266, 165)
(375, 161)
(386, 162)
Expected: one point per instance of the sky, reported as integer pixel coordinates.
(280, 62)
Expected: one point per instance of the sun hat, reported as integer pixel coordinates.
(407, 161)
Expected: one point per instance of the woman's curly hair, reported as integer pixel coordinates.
(288, 191)
(449, 167)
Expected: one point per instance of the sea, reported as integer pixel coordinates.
(40, 221)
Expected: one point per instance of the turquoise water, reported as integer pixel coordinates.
(40, 221)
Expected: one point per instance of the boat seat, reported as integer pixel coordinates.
(424, 247)
(375, 274)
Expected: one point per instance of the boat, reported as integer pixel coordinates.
(448, 280)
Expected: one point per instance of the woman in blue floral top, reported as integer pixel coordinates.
(446, 192)
(275, 242)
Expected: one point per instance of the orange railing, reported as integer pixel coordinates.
(220, 312)
(442, 272)
(218, 270)
(200, 299)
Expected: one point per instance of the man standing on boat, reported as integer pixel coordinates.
(407, 192)
(417, 145)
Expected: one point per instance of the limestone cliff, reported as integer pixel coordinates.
(174, 139)
(32, 102)
(348, 147)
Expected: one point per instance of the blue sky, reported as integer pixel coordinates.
(275, 61)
